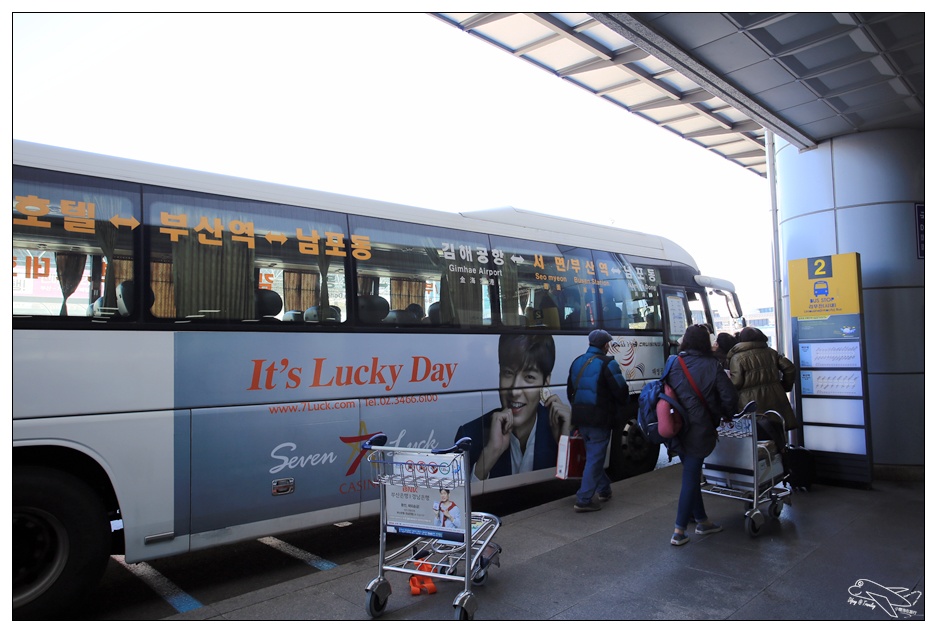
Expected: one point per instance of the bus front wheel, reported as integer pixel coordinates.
(631, 454)
(61, 541)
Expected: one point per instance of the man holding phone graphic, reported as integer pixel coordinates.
(447, 512)
(523, 434)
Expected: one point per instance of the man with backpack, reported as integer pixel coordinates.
(596, 388)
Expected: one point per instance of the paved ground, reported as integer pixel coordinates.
(836, 553)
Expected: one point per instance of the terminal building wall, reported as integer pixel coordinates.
(857, 193)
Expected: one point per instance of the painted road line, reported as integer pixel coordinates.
(299, 554)
(174, 596)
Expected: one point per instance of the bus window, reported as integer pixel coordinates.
(677, 314)
(642, 305)
(545, 285)
(73, 243)
(577, 311)
(217, 258)
(697, 308)
(614, 291)
(427, 275)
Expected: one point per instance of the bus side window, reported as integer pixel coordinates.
(641, 295)
(415, 265)
(575, 312)
(540, 284)
(73, 241)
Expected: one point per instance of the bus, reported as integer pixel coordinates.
(197, 358)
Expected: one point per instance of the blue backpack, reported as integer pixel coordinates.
(650, 394)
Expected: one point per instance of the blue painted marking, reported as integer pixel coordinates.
(172, 594)
(183, 602)
(299, 554)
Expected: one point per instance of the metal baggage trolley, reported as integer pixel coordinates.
(743, 468)
(411, 483)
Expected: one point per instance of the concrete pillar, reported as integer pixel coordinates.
(856, 193)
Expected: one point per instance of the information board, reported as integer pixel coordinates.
(829, 350)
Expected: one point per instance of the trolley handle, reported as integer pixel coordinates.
(460, 446)
(749, 408)
(378, 440)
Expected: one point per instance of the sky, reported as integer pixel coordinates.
(399, 107)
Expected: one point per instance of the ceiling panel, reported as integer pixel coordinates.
(721, 80)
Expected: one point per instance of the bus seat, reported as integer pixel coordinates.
(95, 309)
(547, 317)
(328, 315)
(125, 298)
(292, 316)
(268, 304)
(401, 317)
(372, 309)
(530, 318)
(416, 310)
(545, 313)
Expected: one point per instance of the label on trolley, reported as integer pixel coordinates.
(425, 493)
(426, 512)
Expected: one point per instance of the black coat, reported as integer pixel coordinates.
(700, 430)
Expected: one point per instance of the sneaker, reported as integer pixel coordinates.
(705, 529)
(592, 506)
(679, 539)
(604, 497)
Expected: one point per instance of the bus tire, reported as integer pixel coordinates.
(61, 541)
(631, 454)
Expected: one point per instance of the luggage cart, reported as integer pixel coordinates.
(408, 478)
(743, 468)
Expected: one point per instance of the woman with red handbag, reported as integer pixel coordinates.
(707, 394)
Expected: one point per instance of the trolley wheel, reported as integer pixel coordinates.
(375, 607)
(753, 523)
(776, 508)
(479, 576)
(462, 614)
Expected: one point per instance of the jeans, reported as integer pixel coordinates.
(594, 478)
(690, 496)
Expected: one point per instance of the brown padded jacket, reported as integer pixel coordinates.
(761, 374)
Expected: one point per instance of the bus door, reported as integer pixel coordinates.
(676, 316)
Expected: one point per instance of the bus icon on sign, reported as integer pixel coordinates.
(820, 288)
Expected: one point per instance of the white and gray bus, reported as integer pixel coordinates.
(197, 358)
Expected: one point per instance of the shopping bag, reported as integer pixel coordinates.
(571, 461)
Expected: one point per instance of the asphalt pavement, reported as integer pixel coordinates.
(835, 553)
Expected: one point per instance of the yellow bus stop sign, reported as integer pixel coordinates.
(825, 286)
